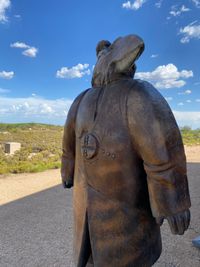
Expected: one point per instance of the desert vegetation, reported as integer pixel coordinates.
(41, 146)
(190, 137)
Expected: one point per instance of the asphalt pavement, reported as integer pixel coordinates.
(36, 231)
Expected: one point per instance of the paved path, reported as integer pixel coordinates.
(36, 231)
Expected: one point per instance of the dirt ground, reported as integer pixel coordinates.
(15, 186)
(36, 221)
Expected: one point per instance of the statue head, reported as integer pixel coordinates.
(102, 46)
(117, 59)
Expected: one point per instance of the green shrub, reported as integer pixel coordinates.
(41, 147)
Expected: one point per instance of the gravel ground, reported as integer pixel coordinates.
(36, 230)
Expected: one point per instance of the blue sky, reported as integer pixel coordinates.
(47, 53)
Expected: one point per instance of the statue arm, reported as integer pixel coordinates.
(68, 150)
(157, 140)
(69, 144)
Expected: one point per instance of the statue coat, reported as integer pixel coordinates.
(123, 151)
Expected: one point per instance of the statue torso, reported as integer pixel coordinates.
(103, 145)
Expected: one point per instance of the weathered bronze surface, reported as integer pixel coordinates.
(123, 155)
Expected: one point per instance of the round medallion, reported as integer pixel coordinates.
(89, 146)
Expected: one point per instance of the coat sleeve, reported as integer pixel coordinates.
(157, 140)
(69, 142)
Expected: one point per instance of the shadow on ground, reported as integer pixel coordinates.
(37, 230)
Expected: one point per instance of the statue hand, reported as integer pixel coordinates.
(67, 184)
(179, 222)
(160, 220)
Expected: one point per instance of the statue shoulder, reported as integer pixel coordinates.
(77, 100)
(145, 94)
(147, 104)
(74, 106)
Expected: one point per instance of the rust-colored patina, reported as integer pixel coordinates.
(123, 155)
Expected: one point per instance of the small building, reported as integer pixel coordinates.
(12, 147)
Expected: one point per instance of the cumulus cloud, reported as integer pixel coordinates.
(6, 74)
(187, 118)
(154, 55)
(180, 104)
(34, 109)
(41, 110)
(188, 101)
(177, 12)
(19, 45)
(135, 5)
(197, 3)
(166, 76)
(17, 16)
(169, 98)
(191, 31)
(186, 92)
(4, 91)
(158, 4)
(29, 51)
(77, 71)
(4, 5)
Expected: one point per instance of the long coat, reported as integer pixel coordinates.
(124, 151)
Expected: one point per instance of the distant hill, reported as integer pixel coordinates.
(27, 126)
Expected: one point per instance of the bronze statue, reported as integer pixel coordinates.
(123, 155)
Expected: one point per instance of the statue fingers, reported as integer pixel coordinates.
(187, 219)
(180, 221)
(64, 184)
(173, 224)
(159, 220)
(67, 184)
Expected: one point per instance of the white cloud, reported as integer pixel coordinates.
(166, 76)
(191, 31)
(169, 98)
(4, 91)
(154, 55)
(4, 5)
(177, 12)
(17, 16)
(186, 92)
(19, 45)
(34, 109)
(197, 3)
(197, 100)
(187, 118)
(77, 71)
(180, 104)
(188, 101)
(135, 5)
(6, 74)
(41, 110)
(159, 4)
(30, 51)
